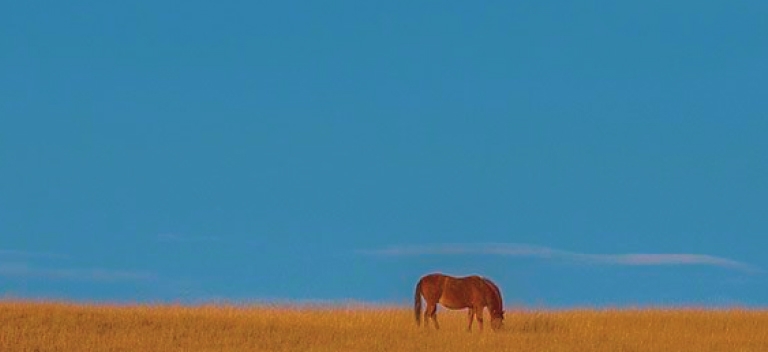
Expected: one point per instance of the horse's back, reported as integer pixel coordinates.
(434, 279)
(431, 286)
(454, 281)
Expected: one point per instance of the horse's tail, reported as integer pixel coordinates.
(417, 303)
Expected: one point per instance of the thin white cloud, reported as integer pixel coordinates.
(506, 249)
(11, 269)
(668, 259)
(18, 254)
(174, 237)
(547, 253)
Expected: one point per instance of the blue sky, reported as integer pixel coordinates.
(577, 153)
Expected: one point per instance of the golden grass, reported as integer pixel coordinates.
(42, 326)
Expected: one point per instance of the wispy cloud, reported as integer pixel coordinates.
(18, 254)
(90, 274)
(174, 237)
(548, 253)
(35, 264)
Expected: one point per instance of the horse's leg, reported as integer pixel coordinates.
(479, 315)
(431, 312)
(471, 317)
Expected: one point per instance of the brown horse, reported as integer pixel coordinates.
(473, 292)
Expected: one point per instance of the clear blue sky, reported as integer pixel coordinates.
(578, 153)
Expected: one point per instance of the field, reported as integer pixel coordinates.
(67, 327)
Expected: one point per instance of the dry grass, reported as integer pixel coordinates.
(39, 326)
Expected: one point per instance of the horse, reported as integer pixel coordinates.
(473, 292)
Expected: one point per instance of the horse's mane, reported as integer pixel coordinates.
(495, 296)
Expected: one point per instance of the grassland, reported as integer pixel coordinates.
(41, 326)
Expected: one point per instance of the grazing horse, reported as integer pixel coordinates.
(473, 292)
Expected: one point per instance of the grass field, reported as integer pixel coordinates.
(41, 326)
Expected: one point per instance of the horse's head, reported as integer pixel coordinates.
(497, 319)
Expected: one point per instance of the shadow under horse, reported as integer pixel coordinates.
(473, 292)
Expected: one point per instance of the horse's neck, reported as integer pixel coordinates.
(495, 295)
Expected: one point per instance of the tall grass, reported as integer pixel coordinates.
(49, 326)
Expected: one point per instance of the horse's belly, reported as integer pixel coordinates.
(447, 303)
